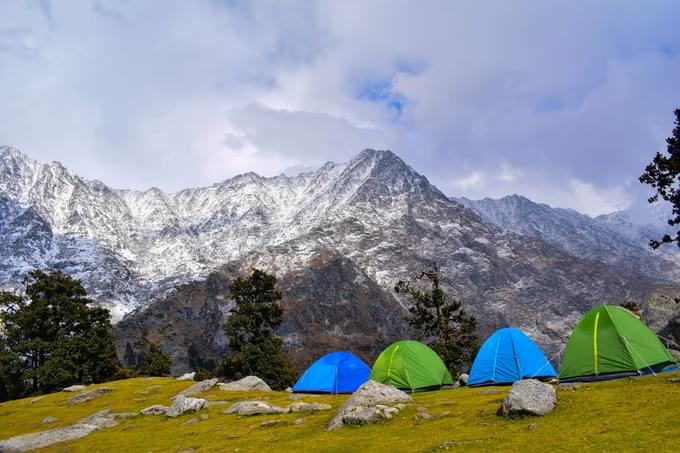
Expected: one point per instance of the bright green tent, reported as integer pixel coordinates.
(410, 365)
(610, 341)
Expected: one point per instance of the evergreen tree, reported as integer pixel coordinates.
(250, 329)
(441, 321)
(53, 337)
(663, 174)
(156, 362)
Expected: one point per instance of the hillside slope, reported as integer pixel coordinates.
(623, 415)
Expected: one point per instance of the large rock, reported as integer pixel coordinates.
(529, 397)
(85, 426)
(87, 396)
(248, 383)
(200, 387)
(368, 404)
(182, 405)
(254, 408)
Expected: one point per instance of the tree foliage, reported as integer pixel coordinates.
(250, 329)
(441, 321)
(156, 362)
(52, 337)
(663, 174)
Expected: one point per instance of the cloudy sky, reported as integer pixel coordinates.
(562, 101)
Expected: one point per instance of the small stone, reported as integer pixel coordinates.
(187, 377)
(532, 426)
(445, 445)
(181, 405)
(75, 388)
(156, 409)
(569, 386)
(308, 407)
(253, 408)
(268, 423)
(423, 416)
(445, 414)
(299, 421)
(191, 421)
(421, 409)
(88, 396)
(674, 380)
(204, 416)
(49, 419)
(463, 379)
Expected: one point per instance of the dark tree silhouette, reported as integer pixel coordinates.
(441, 321)
(663, 174)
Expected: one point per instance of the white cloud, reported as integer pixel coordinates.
(484, 99)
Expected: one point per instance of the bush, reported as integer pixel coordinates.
(156, 362)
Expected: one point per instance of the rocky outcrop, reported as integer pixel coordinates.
(182, 405)
(370, 403)
(529, 397)
(84, 397)
(247, 384)
(27, 442)
(253, 408)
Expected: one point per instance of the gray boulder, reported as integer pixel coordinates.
(187, 377)
(156, 409)
(368, 404)
(247, 384)
(49, 419)
(308, 407)
(33, 441)
(199, 387)
(182, 405)
(463, 379)
(253, 408)
(529, 397)
(88, 396)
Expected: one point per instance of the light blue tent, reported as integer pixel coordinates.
(508, 356)
(337, 372)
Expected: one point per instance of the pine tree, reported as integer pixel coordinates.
(441, 321)
(156, 362)
(53, 337)
(663, 174)
(250, 329)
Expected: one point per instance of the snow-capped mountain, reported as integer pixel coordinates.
(376, 218)
(614, 238)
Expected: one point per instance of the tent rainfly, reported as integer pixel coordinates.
(336, 372)
(410, 365)
(611, 342)
(508, 356)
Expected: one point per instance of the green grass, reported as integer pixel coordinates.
(625, 415)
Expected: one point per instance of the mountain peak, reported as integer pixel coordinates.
(10, 152)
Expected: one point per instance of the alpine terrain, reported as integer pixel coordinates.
(338, 238)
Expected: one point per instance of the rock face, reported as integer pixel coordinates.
(247, 384)
(529, 397)
(84, 397)
(253, 408)
(182, 405)
(369, 404)
(199, 387)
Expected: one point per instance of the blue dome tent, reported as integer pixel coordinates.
(508, 356)
(336, 372)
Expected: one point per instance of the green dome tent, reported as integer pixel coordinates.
(610, 341)
(410, 365)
